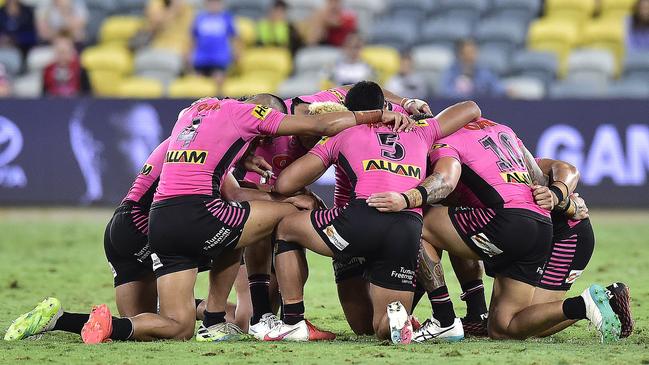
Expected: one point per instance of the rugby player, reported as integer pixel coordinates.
(500, 224)
(373, 158)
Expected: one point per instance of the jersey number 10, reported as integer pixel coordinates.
(507, 151)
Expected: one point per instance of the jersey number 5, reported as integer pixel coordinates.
(395, 149)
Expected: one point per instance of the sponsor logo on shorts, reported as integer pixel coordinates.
(144, 253)
(146, 169)
(186, 156)
(516, 177)
(112, 269)
(218, 238)
(261, 112)
(156, 262)
(405, 275)
(348, 263)
(335, 238)
(393, 168)
(235, 204)
(574, 275)
(485, 245)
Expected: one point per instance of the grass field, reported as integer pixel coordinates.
(58, 253)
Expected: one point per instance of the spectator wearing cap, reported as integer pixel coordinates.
(65, 77)
(54, 17)
(637, 37)
(351, 68)
(276, 31)
(466, 78)
(407, 83)
(17, 26)
(331, 25)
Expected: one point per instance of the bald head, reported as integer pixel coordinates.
(269, 100)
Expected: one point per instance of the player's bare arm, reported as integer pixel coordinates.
(561, 183)
(299, 174)
(457, 116)
(331, 124)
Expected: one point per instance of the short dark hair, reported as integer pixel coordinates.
(365, 95)
(280, 4)
(270, 100)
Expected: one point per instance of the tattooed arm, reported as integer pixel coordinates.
(433, 189)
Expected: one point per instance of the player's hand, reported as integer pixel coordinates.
(416, 106)
(543, 197)
(303, 201)
(400, 122)
(258, 165)
(582, 209)
(387, 202)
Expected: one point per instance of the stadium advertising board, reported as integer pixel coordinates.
(87, 151)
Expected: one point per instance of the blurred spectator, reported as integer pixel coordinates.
(407, 83)
(331, 25)
(351, 68)
(275, 29)
(638, 27)
(64, 76)
(5, 83)
(17, 26)
(62, 16)
(168, 24)
(465, 78)
(214, 34)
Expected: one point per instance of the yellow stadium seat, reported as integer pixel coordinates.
(246, 30)
(140, 88)
(105, 83)
(384, 60)
(557, 36)
(119, 29)
(607, 34)
(277, 60)
(107, 58)
(616, 8)
(238, 87)
(574, 10)
(192, 87)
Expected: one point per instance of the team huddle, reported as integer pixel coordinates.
(227, 193)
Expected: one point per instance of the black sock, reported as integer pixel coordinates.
(259, 296)
(473, 295)
(419, 293)
(198, 302)
(71, 322)
(574, 308)
(442, 306)
(293, 313)
(122, 329)
(212, 318)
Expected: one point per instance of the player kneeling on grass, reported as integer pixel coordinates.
(501, 224)
(373, 157)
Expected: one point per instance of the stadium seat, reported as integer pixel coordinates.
(267, 59)
(521, 10)
(616, 8)
(28, 86)
(246, 30)
(501, 33)
(414, 10)
(444, 32)
(384, 60)
(587, 64)
(606, 34)
(469, 10)
(107, 58)
(576, 11)
(105, 83)
(553, 36)
(238, 87)
(629, 89)
(526, 88)
(636, 66)
(432, 58)
(119, 29)
(298, 85)
(495, 59)
(577, 90)
(316, 59)
(393, 33)
(192, 87)
(541, 65)
(253, 9)
(140, 88)
(301, 10)
(39, 57)
(11, 59)
(158, 64)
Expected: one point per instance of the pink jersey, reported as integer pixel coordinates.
(375, 159)
(207, 140)
(146, 182)
(494, 174)
(336, 95)
(279, 153)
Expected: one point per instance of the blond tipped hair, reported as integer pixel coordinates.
(326, 107)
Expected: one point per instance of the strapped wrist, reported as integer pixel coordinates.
(558, 193)
(405, 197)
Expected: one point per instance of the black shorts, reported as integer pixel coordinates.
(511, 242)
(209, 70)
(349, 267)
(389, 242)
(188, 231)
(571, 251)
(126, 244)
